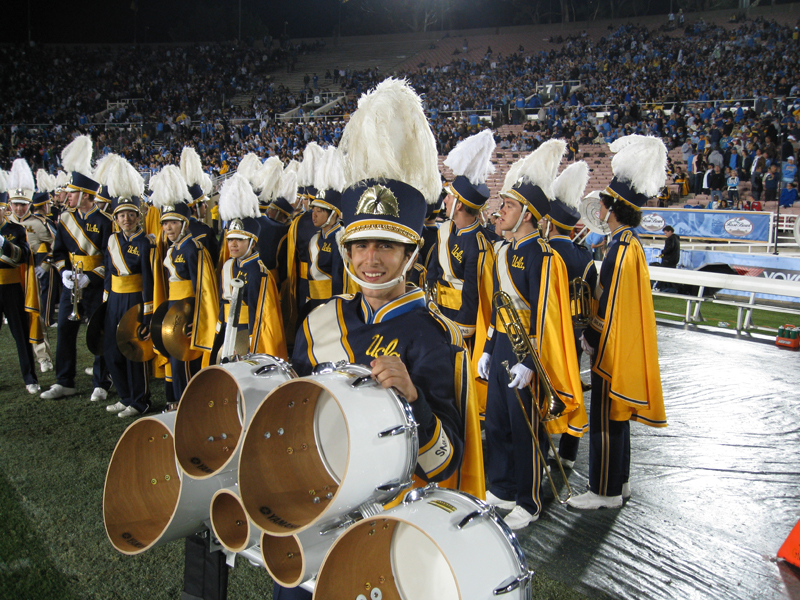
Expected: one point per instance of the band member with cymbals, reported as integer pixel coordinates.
(391, 174)
(128, 283)
(621, 337)
(568, 190)
(535, 279)
(260, 312)
(19, 291)
(188, 273)
(81, 239)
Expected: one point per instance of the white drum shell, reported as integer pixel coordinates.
(361, 460)
(309, 549)
(470, 562)
(223, 523)
(208, 432)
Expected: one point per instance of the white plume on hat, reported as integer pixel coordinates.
(237, 200)
(330, 171)
(169, 187)
(389, 137)
(192, 170)
(21, 176)
(472, 157)
(77, 155)
(512, 175)
(122, 179)
(287, 187)
(249, 167)
(293, 166)
(571, 183)
(268, 178)
(44, 181)
(311, 159)
(540, 167)
(62, 179)
(641, 162)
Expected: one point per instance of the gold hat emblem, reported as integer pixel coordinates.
(378, 200)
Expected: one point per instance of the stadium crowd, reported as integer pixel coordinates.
(728, 88)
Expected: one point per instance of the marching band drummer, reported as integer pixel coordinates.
(81, 238)
(189, 274)
(407, 345)
(260, 311)
(128, 283)
(18, 289)
(535, 278)
(621, 337)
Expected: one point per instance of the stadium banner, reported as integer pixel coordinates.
(707, 224)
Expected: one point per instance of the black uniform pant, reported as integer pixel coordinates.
(131, 379)
(12, 306)
(609, 444)
(67, 339)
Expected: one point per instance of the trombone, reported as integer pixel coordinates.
(552, 407)
(77, 293)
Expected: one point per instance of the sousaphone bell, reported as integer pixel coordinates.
(590, 214)
(130, 336)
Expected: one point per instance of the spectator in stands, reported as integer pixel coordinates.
(716, 183)
(733, 187)
(683, 182)
(715, 157)
(671, 254)
(788, 196)
(771, 180)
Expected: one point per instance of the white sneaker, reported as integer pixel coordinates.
(592, 501)
(519, 518)
(566, 463)
(33, 388)
(128, 412)
(98, 394)
(626, 490)
(89, 371)
(46, 366)
(57, 391)
(499, 502)
(115, 408)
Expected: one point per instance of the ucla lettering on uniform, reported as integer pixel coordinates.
(242, 275)
(326, 247)
(457, 253)
(179, 259)
(375, 349)
(91, 227)
(518, 262)
(133, 250)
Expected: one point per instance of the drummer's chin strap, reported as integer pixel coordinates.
(387, 285)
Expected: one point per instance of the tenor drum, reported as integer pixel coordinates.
(147, 500)
(216, 408)
(294, 559)
(322, 447)
(439, 544)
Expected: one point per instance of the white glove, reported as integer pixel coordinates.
(2, 241)
(83, 281)
(586, 347)
(66, 279)
(39, 271)
(483, 365)
(522, 376)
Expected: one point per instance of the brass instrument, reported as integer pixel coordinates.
(580, 302)
(77, 292)
(552, 407)
(430, 291)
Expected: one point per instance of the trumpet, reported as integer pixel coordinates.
(580, 302)
(77, 293)
(549, 407)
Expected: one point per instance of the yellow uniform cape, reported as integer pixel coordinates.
(556, 345)
(161, 366)
(483, 320)
(30, 287)
(206, 305)
(268, 336)
(152, 222)
(627, 356)
(289, 291)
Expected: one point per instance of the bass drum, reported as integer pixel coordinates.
(439, 544)
(323, 447)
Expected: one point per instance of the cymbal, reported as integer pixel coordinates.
(95, 330)
(155, 328)
(241, 346)
(129, 338)
(175, 330)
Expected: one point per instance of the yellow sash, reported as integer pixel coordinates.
(126, 284)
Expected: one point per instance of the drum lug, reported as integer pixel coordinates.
(364, 381)
(396, 430)
(482, 512)
(328, 367)
(393, 486)
(512, 583)
(265, 370)
(337, 524)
